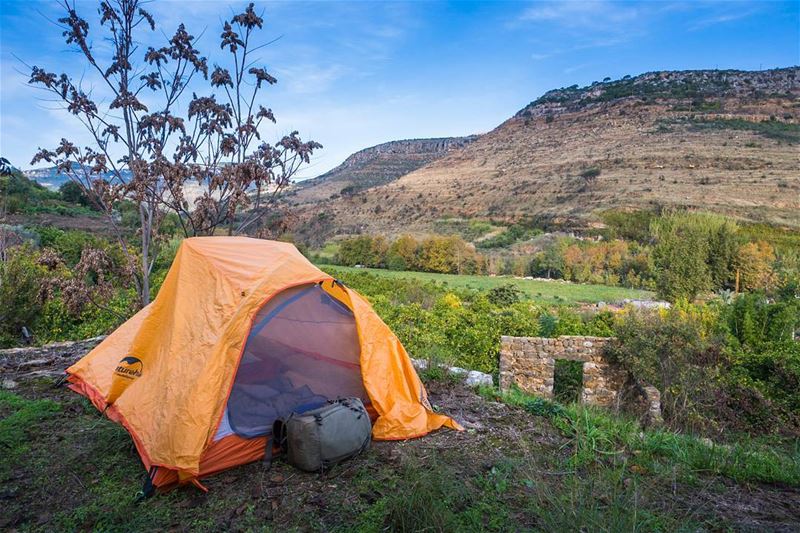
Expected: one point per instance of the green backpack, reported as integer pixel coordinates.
(318, 439)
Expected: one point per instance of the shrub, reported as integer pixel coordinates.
(567, 381)
(753, 321)
(671, 352)
(73, 193)
(21, 280)
(514, 233)
(754, 262)
(505, 295)
(718, 367)
(590, 173)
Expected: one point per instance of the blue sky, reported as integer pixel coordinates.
(355, 74)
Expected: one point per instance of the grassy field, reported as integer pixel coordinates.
(522, 465)
(541, 291)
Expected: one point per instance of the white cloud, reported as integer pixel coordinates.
(309, 78)
(722, 18)
(581, 14)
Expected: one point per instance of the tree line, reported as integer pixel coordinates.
(679, 255)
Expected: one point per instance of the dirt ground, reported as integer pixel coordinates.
(78, 471)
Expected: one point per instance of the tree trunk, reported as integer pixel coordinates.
(146, 222)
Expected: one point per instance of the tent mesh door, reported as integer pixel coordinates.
(302, 350)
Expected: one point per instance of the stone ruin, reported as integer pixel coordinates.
(530, 362)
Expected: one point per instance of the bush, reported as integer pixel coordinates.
(21, 281)
(590, 173)
(671, 352)
(567, 381)
(73, 193)
(514, 233)
(715, 373)
(628, 225)
(753, 321)
(505, 295)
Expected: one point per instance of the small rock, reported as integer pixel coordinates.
(471, 425)
(9, 384)
(475, 378)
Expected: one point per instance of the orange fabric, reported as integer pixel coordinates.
(167, 372)
(225, 453)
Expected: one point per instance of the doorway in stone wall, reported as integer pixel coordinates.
(567, 381)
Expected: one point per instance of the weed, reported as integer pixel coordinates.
(597, 436)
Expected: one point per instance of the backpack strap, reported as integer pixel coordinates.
(278, 436)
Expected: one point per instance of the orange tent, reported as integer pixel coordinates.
(244, 331)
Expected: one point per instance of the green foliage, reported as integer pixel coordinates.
(723, 246)
(597, 436)
(32, 294)
(469, 229)
(672, 353)
(628, 225)
(22, 195)
(719, 367)
(772, 129)
(515, 233)
(568, 381)
(73, 193)
(504, 295)
(21, 280)
(590, 173)
(774, 372)
(681, 255)
(402, 254)
(69, 244)
(782, 239)
(57, 323)
(612, 262)
(434, 254)
(754, 321)
(550, 263)
(362, 250)
(449, 255)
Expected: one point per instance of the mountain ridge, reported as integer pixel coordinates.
(374, 166)
(723, 141)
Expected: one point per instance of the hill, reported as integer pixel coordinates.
(373, 166)
(723, 141)
(51, 178)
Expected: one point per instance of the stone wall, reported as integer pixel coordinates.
(529, 362)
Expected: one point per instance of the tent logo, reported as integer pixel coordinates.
(129, 367)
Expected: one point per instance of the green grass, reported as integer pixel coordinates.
(327, 252)
(539, 291)
(72, 469)
(598, 438)
(468, 229)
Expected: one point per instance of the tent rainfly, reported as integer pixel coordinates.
(244, 331)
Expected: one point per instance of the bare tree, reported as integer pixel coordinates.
(203, 160)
